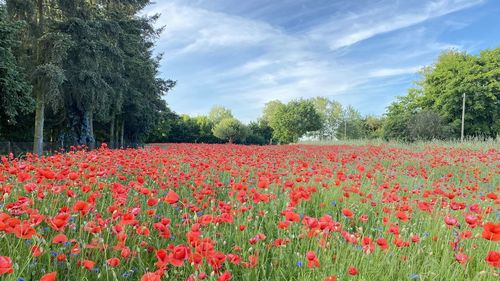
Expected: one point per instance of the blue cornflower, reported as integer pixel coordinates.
(21, 279)
(126, 274)
(96, 269)
(172, 237)
(54, 254)
(414, 276)
(334, 203)
(300, 264)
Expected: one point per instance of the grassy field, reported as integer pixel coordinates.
(362, 211)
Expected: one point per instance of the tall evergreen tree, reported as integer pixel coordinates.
(15, 90)
(42, 52)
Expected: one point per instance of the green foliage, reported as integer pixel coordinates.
(205, 126)
(15, 90)
(231, 130)
(441, 91)
(373, 127)
(291, 121)
(351, 126)
(331, 113)
(94, 60)
(259, 133)
(270, 108)
(398, 116)
(218, 113)
(427, 125)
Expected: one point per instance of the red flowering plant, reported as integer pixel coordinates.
(229, 212)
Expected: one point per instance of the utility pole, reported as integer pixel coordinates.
(463, 118)
(345, 128)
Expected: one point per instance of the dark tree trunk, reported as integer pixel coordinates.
(85, 134)
(91, 126)
(39, 95)
(39, 121)
(122, 133)
(112, 132)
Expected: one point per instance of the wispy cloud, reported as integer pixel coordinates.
(385, 72)
(190, 29)
(352, 29)
(243, 55)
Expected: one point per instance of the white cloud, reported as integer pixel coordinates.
(385, 72)
(352, 29)
(189, 29)
(243, 62)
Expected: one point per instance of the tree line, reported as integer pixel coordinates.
(432, 109)
(78, 71)
(280, 123)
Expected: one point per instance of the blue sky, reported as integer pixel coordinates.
(244, 53)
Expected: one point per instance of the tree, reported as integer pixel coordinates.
(231, 130)
(205, 126)
(15, 90)
(426, 125)
(259, 133)
(373, 127)
(398, 115)
(163, 128)
(331, 113)
(90, 64)
(293, 120)
(42, 52)
(217, 113)
(478, 77)
(352, 124)
(270, 109)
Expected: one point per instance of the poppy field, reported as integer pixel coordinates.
(231, 212)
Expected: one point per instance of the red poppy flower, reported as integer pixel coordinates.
(493, 258)
(59, 239)
(150, 276)
(225, 276)
(402, 216)
(5, 265)
(24, 230)
(88, 264)
(171, 197)
(346, 212)
(491, 231)
(179, 255)
(352, 270)
(113, 262)
(461, 258)
(49, 276)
